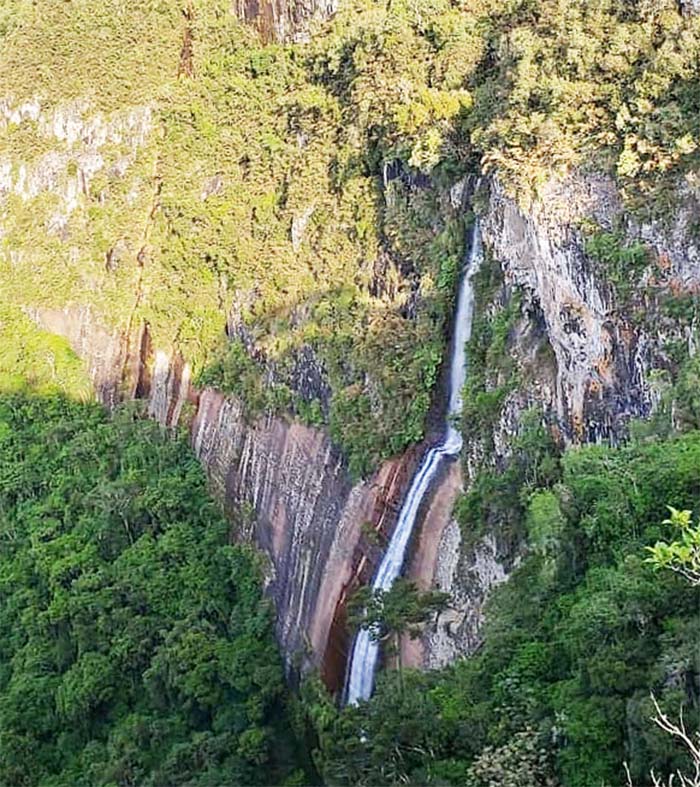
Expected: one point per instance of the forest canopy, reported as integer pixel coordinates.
(253, 188)
(135, 646)
(574, 643)
(300, 196)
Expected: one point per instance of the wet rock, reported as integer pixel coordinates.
(308, 516)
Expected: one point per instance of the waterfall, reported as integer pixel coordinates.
(366, 651)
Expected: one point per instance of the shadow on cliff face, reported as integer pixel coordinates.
(323, 535)
(358, 365)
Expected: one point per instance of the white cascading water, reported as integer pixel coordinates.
(365, 650)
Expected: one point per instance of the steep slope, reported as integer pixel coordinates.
(591, 313)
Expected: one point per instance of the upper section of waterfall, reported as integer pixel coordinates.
(464, 317)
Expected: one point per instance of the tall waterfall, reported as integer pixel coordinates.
(366, 651)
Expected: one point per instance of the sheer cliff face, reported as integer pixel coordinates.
(604, 349)
(306, 515)
(286, 485)
(284, 20)
(587, 357)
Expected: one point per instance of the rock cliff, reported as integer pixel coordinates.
(283, 20)
(586, 360)
(589, 348)
(604, 350)
(306, 515)
(287, 485)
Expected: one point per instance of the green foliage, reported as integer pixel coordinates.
(682, 555)
(525, 761)
(678, 408)
(545, 526)
(499, 499)
(621, 263)
(259, 181)
(11, 15)
(686, 395)
(492, 368)
(402, 608)
(89, 50)
(135, 647)
(237, 373)
(390, 740)
(575, 641)
(38, 360)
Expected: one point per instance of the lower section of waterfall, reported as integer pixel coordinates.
(365, 652)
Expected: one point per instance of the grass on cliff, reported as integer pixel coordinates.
(31, 359)
(112, 53)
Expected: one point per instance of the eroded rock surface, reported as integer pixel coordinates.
(284, 20)
(307, 515)
(603, 355)
(583, 363)
(586, 360)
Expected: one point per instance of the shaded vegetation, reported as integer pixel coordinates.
(256, 191)
(492, 368)
(300, 195)
(135, 647)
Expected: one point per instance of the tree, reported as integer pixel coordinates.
(135, 646)
(524, 761)
(690, 742)
(681, 557)
(388, 614)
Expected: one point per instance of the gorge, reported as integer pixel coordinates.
(418, 285)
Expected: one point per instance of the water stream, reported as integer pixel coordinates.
(365, 651)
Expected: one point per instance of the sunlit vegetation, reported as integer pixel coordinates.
(36, 360)
(574, 643)
(257, 192)
(300, 196)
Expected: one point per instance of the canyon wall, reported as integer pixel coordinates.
(291, 489)
(320, 531)
(590, 358)
(593, 352)
(586, 361)
(605, 345)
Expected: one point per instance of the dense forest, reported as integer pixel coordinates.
(135, 647)
(276, 135)
(265, 207)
